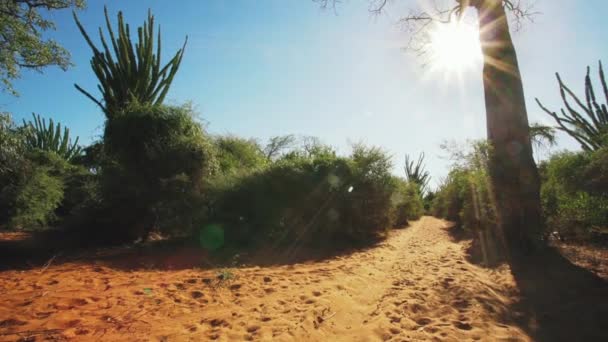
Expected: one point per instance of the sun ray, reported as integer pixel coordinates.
(453, 48)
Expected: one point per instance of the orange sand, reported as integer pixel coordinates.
(415, 286)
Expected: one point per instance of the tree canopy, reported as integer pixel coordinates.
(22, 45)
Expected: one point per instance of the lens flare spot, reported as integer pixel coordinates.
(211, 237)
(333, 180)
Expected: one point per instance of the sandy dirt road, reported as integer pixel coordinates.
(415, 286)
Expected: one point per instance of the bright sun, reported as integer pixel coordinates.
(454, 47)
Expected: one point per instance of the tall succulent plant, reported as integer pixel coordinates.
(588, 124)
(415, 172)
(50, 138)
(129, 72)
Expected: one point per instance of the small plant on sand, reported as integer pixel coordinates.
(225, 274)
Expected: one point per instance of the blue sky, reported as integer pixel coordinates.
(273, 67)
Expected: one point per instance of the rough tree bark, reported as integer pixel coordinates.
(513, 173)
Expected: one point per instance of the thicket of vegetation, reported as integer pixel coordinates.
(315, 197)
(574, 190)
(156, 169)
(574, 194)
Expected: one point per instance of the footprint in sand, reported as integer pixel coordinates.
(11, 322)
(196, 294)
(217, 322)
(424, 321)
(462, 325)
(43, 314)
(461, 304)
(78, 302)
(72, 323)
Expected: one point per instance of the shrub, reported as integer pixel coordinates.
(407, 202)
(155, 161)
(574, 199)
(465, 196)
(37, 186)
(42, 191)
(36, 199)
(313, 197)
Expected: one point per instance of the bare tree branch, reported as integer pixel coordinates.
(417, 22)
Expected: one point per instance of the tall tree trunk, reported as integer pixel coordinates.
(513, 174)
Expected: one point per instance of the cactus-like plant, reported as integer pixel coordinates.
(589, 127)
(130, 72)
(50, 137)
(416, 173)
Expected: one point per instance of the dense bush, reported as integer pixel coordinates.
(407, 202)
(155, 160)
(37, 187)
(314, 197)
(573, 193)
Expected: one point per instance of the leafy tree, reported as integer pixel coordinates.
(416, 173)
(130, 72)
(237, 154)
(50, 138)
(22, 42)
(589, 127)
(277, 145)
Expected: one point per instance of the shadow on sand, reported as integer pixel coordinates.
(41, 249)
(558, 301)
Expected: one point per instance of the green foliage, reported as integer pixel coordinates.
(278, 144)
(596, 172)
(589, 128)
(130, 72)
(12, 148)
(22, 38)
(36, 200)
(465, 197)
(155, 161)
(573, 194)
(407, 202)
(50, 138)
(44, 191)
(313, 197)
(416, 173)
(236, 154)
